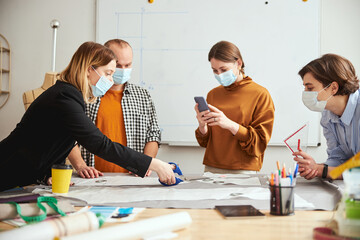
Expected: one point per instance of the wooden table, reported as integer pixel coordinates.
(209, 224)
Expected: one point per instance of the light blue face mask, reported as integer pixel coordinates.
(227, 78)
(122, 75)
(102, 86)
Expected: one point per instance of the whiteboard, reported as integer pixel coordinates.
(171, 40)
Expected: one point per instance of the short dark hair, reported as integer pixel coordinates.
(120, 42)
(333, 68)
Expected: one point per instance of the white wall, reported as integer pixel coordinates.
(26, 25)
(340, 34)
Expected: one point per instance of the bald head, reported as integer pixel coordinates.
(123, 52)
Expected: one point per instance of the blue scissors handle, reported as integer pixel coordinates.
(176, 170)
(178, 180)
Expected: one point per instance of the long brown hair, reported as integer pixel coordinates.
(333, 68)
(226, 52)
(88, 54)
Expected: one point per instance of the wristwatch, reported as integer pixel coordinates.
(325, 171)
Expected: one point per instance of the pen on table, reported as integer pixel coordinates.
(279, 184)
(295, 173)
(283, 172)
(290, 176)
(296, 169)
(278, 167)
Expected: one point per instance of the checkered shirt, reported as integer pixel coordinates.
(141, 125)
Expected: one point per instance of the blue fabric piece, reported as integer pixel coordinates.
(126, 210)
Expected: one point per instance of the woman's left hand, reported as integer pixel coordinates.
(308, 168)
(218, 118)
(88, 172)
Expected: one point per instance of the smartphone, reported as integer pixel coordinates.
(202, 104)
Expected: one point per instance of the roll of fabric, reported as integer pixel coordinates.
(8, 211)
(55, 228)
(140, 229)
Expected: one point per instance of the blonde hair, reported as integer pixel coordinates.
(226, 52)
(333, 68)
(87, 55)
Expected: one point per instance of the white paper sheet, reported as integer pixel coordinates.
(238, 179)
(252, 181)
(118, 195)
(302, 203)
(224, 175)
(130, 180)
(115, 181)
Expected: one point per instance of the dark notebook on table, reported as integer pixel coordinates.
(239, 211)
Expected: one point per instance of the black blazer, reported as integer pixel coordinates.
(48, 131)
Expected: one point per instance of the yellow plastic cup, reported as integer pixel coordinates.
(61, 176)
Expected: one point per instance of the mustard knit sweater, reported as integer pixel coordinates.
(250, 105)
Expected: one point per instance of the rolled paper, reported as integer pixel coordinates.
(54, 228)
(24, 198)
(140, 229)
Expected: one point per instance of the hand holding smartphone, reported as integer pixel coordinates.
(202, 104)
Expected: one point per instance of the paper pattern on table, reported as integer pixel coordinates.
(238, 179)
(115, 181)
(118, 195)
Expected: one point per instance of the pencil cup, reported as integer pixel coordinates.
(61, 176)
(282, 200)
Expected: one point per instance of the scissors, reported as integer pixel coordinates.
(178, 172)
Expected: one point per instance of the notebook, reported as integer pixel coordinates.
(239, 211)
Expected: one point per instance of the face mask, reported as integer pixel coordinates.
(102, 86)
(227, 78)
(122, 75)
(311, 102)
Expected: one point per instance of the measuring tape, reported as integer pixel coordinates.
(33, 219)
(351, 163)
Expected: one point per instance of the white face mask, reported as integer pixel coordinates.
(102, 85)
(122, 75)
(311, 102)
(227, 78)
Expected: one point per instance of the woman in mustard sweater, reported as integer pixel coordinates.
(236, 130)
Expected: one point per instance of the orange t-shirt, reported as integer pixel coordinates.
(110, 121)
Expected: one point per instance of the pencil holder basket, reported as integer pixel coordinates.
(282, 200)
